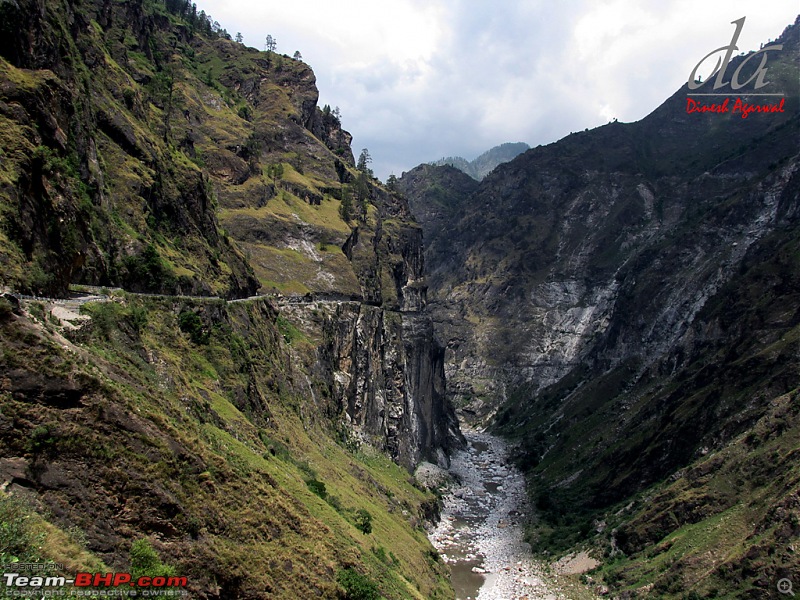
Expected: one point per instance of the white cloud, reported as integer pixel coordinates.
(418, 80)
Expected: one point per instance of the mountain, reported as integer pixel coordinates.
(624, 303)
(226, 371)
(486, 162)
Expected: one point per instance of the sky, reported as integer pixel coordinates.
(418, 80)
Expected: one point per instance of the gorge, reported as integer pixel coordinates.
(623, 303)
(227, 346)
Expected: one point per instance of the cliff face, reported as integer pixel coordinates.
(141, 148)
(623, 302)
(388, 376)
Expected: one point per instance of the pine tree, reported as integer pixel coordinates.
(346, 207)
(363, 162)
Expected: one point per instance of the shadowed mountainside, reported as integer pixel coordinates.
(625, 303)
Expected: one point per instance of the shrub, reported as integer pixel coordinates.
(356, 585)
(146, 563)
(245, 112)
(5, 309)
(129, 96)
(364, 521)
(317, 487)
(335, 502)
(41, 439)
(105, 316)
(138, 317)
(275, 448)
(148, 270)
(380, 553)
(108, 317)
(192, 325)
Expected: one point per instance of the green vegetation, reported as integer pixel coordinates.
(26, 537)
(290, 333)
(364, 521)
(191, 324)
(357, 586)
(110, 317)
(228, 460)
(145, 561)
(41, 440)
(19, 539)
(317, 487)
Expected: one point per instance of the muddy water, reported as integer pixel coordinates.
(480, 534)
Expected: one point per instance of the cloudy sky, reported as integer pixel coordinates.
(417, 80)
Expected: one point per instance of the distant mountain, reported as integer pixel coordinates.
(486, 162)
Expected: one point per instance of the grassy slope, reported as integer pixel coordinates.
(724, 527)
(205, 450)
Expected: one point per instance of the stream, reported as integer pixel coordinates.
(480, 534)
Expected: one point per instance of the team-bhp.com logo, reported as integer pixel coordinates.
(120, 584)
(697, 103)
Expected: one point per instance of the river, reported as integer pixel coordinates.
(480, 534)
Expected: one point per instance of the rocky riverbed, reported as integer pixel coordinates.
(480, 534)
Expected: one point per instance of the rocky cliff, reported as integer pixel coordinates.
(143, 150)
(624, 299)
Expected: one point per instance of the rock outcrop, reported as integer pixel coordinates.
(387, 373)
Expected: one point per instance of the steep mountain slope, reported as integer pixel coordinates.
(628, 297)
(195, 425)
(247, 441)
(94, 187)
(486, 162)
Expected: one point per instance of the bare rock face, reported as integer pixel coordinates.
(378, 356)
(387, 373)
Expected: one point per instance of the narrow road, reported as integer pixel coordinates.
(480, 534)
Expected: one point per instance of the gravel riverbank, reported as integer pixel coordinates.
(480, 534)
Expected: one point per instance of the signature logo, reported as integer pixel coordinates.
(757, 77)
(722, 64)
